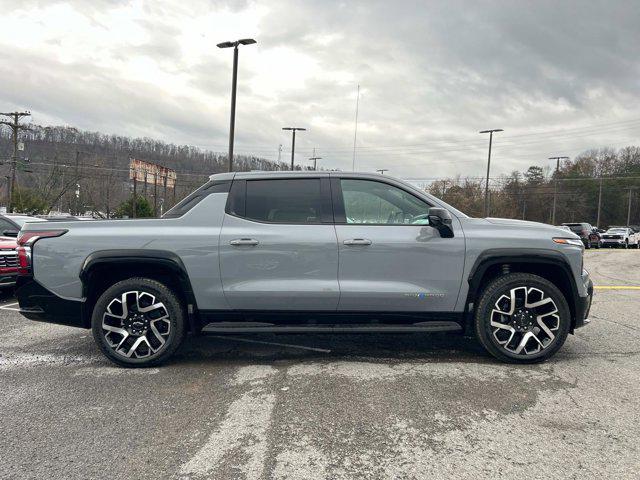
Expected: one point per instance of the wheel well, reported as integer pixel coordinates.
(555, 273)
(103, 275)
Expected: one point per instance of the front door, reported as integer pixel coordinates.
(390, 258)
(278, 248)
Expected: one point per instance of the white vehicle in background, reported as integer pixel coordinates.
(621, 237)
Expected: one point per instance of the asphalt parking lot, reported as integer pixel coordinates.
(329, 406)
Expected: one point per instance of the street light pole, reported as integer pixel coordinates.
(234, 85)
(293, 141)
(486, 187)
(555, 187)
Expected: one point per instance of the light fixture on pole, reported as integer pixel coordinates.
(234, 85)
(382, 170)
(486, 187)
(293, 141)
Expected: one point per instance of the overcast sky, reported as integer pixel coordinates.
(558, 77)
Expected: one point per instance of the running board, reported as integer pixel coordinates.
(260, 327)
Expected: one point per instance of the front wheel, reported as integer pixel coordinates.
(522, 318)
(138, 322)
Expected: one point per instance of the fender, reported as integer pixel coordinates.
(502, 256)
(163, 258)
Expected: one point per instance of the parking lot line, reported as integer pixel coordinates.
(9, 306)
(616, 287)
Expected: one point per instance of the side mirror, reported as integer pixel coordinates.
(10, 233)
(440, 219)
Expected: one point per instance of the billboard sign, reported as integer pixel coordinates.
(151, 173)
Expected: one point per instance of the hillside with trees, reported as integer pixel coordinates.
(71, 170)
(57, 159)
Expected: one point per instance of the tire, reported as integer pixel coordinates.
(540, 345)
(156, 333)
(598, 245)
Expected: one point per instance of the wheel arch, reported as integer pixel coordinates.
(103, 268)
(549, 264)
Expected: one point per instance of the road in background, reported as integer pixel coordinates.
(343, 407)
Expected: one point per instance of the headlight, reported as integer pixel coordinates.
(569, 241)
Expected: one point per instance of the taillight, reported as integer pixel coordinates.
(25, 243)
(30, 236)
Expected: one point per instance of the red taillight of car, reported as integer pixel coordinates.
(26, 241)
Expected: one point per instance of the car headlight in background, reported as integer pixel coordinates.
(569, 241)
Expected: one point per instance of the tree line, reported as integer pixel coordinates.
(71, 170)
(601, 176)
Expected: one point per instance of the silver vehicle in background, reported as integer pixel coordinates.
(306, 252)
(620, 237)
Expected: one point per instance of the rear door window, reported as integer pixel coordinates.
(296, 201)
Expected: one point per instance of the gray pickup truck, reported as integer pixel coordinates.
(306, 252)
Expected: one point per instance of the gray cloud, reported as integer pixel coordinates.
(432, 75)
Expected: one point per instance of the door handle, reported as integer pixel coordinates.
(357, 241)
(239, 242)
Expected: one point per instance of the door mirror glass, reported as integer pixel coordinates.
(440, 219)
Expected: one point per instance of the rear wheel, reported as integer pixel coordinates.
(522, 318)
(138, 322)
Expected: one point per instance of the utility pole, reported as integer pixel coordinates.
(134, 201)
(279, 153)
(155, 194)
(382, 170)
(15, 127)
(315, 160)
(355, 131)
(234, 85)
(555, 187)
(599, 203)
(486, 188)
(293, 142)
(629, 206)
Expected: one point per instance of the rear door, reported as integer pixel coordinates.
(390, 258)
(278, 247)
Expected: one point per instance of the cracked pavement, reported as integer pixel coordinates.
(349, 406)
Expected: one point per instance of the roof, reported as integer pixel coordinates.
(296, 173)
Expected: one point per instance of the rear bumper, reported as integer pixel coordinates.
(38, 303)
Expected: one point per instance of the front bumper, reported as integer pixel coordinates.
(38, 303)
(612, 242)
(7, 281)
(583, 305)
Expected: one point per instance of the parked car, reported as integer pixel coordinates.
(11, 224)
(621, 237)
(297, 252)
(8, 262)
(589, 235)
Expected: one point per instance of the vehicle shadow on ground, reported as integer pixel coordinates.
(434, 347)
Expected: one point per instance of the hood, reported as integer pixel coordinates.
(8, 243)
(509, 222)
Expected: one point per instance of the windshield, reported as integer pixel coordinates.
(617, 230)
